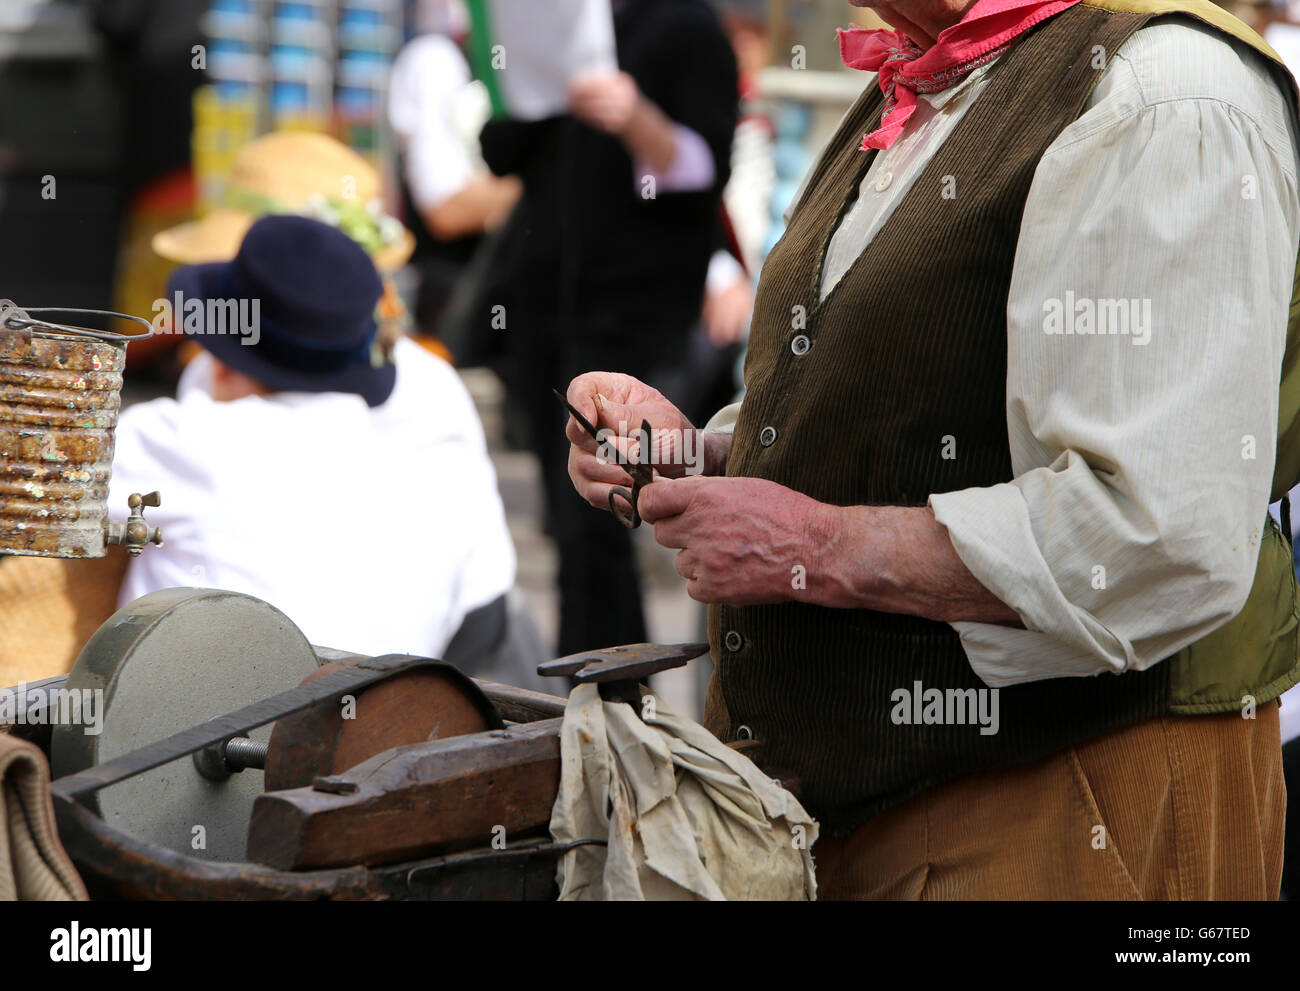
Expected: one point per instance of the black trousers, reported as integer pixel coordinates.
(599, 588)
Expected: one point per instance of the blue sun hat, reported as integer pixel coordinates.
(301, 296)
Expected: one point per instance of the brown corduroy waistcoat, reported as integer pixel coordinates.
(849, 401)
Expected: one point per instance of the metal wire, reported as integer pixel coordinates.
(61, 330)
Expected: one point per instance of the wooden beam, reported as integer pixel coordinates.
(522, 705)
(415, 801)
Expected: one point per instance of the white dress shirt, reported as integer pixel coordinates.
(374, 530)
(1133, 522)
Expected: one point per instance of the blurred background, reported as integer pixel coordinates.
(121, 119)
(137, 107)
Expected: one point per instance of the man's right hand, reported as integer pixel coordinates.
(618, 403)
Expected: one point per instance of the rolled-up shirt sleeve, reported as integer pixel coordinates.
(1142, 460)
(690, 171)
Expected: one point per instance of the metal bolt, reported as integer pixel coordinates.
(241, 752)
(220, 760)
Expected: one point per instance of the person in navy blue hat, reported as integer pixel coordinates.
(294, 310)
(353, 494)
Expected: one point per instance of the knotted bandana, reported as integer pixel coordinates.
(905, 69)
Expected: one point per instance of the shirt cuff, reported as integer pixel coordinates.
(692, 169)
(724, 420)
(991, 533)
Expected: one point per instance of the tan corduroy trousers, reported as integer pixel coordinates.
(1181, 807)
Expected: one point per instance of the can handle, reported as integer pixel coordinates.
(15, 330)
(24, 320)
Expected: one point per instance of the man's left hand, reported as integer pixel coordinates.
(742, 541)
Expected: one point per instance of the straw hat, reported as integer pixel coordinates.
(294, 172)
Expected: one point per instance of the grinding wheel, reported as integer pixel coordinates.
(425, 704)
(169, 661)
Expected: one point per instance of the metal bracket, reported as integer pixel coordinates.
(619, 670)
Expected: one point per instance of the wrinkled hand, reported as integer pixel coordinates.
(618, 403)
(605, 100)
(742, 541)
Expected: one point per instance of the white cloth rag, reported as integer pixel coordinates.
(681, 816)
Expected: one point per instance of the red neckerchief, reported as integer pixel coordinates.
(987, 30)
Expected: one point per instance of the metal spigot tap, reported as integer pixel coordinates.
(135, 533)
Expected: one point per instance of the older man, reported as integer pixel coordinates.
(991, 569)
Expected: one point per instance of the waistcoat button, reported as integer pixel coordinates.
(800, 344)
(768, 437)
(733, 641)
(744, 733)
(883, 182)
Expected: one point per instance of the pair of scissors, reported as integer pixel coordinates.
(642, 472)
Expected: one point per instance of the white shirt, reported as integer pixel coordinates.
(436, 110)
(375, 531)
(1177, 184)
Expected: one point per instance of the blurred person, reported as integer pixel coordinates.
(748, 196)
(710, 377)
(354, 495)
(309, 174)
(728, 300)
(151, 45)
(993, 579)
(57, 604)
(436, 110)
(607, 264)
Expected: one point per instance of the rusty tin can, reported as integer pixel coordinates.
(60, 394)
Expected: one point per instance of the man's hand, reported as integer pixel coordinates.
(618, 403)
(612, 102)
(748, 541)
(605, 100)
(742, 541)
